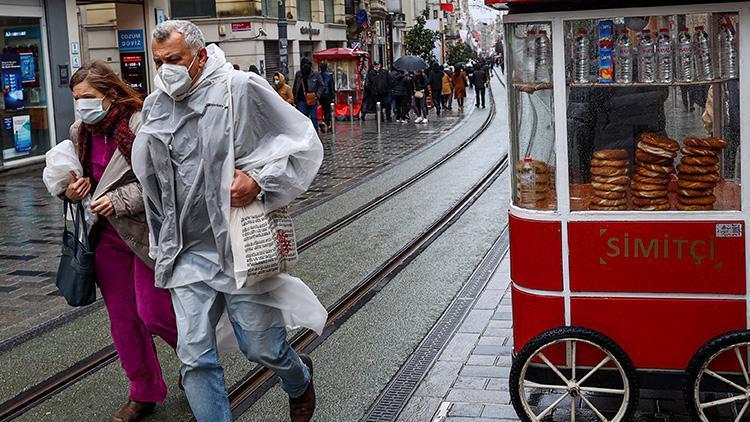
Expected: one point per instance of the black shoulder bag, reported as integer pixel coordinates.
(76, 278)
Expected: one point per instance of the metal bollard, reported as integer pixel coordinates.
(378, 110)
(351, 110)
(333, 120)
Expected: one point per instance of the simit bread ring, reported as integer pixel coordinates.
(609, 195)
(700, 151)
(651, 180)
(699, 160)
(608, 202)
(608, 187)
(655, 207)
(650, 201)
(646, 186)
(609, 163)
(692, 193)
(656, 150)
(660, 141)
(595, 207)
(684, 168)
(650, 193)
(615, 180)
(609, 171)
(611, 154)
(648, 173)
(709, 177)
(540, 167)
(698, 200)
(645, 157)
(684, 207)
(689, 184)
(706, 142)
(657, 168)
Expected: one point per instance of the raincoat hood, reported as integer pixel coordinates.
(282, 81)
(216, 61)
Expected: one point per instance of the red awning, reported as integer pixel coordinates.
(447, 7)
(339, 54)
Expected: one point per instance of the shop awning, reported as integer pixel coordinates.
(339, 53)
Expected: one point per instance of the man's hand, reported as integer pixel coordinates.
(102, 206)
(244, 189)
(78, 188)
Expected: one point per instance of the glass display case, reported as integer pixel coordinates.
(651, 118)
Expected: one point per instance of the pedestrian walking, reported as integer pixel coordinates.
(459, 86)
(470, 74)
(447, 90)
(421, 88)
(110, 119)
(272, 155)
(329, 95)
(308, 89)
(253, 68)
(480, 80)
(379, 83)
(282, 88)
(435, 80)
(402, 92)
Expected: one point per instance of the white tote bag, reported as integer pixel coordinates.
(262, 244)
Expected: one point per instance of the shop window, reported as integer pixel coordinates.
(651, 125)
(193, 9)
(304, 10)
(23, 69)
(532, 122)
(238, 8)
(271, 8)
(329, 12)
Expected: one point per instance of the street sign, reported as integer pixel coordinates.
(130, 40)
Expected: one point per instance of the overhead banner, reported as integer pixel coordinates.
(10, 69)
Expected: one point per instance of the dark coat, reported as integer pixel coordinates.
(401, 85)
(419, 82)
(313, 83)
(379, 82)
(436, 79)
(480, 77)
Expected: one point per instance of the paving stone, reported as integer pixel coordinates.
(481, 360)
(466, 409)
(499, 411)
(439, 379)
(459, 347)
(420, 409)
(500, 384)
(489, 299)
(476, 321)
(506, 316)
(479, 396)
(468, 383)
(485, 371)
(495, 350)
(487, 340)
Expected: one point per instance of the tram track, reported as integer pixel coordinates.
(61, 380)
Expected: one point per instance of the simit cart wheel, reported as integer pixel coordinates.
(596, 382)
(717, 380)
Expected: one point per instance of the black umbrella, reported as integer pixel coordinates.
(410, 64)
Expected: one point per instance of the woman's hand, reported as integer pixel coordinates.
(78, 188)
(102, 206)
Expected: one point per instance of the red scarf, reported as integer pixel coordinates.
(115, 126)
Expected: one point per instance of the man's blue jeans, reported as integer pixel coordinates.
(310, 111)
(198, 308)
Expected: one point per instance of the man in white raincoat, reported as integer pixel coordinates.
(191, 173)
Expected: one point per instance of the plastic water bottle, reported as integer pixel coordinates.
(529, 56)
(624, 58)
(542, 64)
(664, 57)
(685, 68)
(728, 51)
(527, 183)
(702, 48)
(582, 56)
(646, 57)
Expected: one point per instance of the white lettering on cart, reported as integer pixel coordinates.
(699, 250)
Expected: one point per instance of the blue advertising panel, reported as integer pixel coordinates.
(10, 68)
(28, 73)
(130, 40)
(22, 133)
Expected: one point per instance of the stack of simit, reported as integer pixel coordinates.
(654, 162)
(609, 180)
(698, 173)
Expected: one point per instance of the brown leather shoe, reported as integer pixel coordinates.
(301, 409)
(133, 411)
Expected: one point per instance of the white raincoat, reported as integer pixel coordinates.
(274, 143)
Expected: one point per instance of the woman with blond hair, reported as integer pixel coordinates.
(110, 117)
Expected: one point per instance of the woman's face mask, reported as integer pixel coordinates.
(176, 78)
(276, 81)
(91, 110)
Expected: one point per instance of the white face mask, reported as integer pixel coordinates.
(91, 110)
(175, 79)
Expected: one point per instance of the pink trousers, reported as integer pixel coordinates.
(137, 310)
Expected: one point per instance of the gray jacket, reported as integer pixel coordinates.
(119, 184)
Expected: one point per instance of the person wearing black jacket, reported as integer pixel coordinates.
(306, 82)
(436, 86)
(402, 89)
(379, 85)
(480, 79)
(329, 95)
(420, 88)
